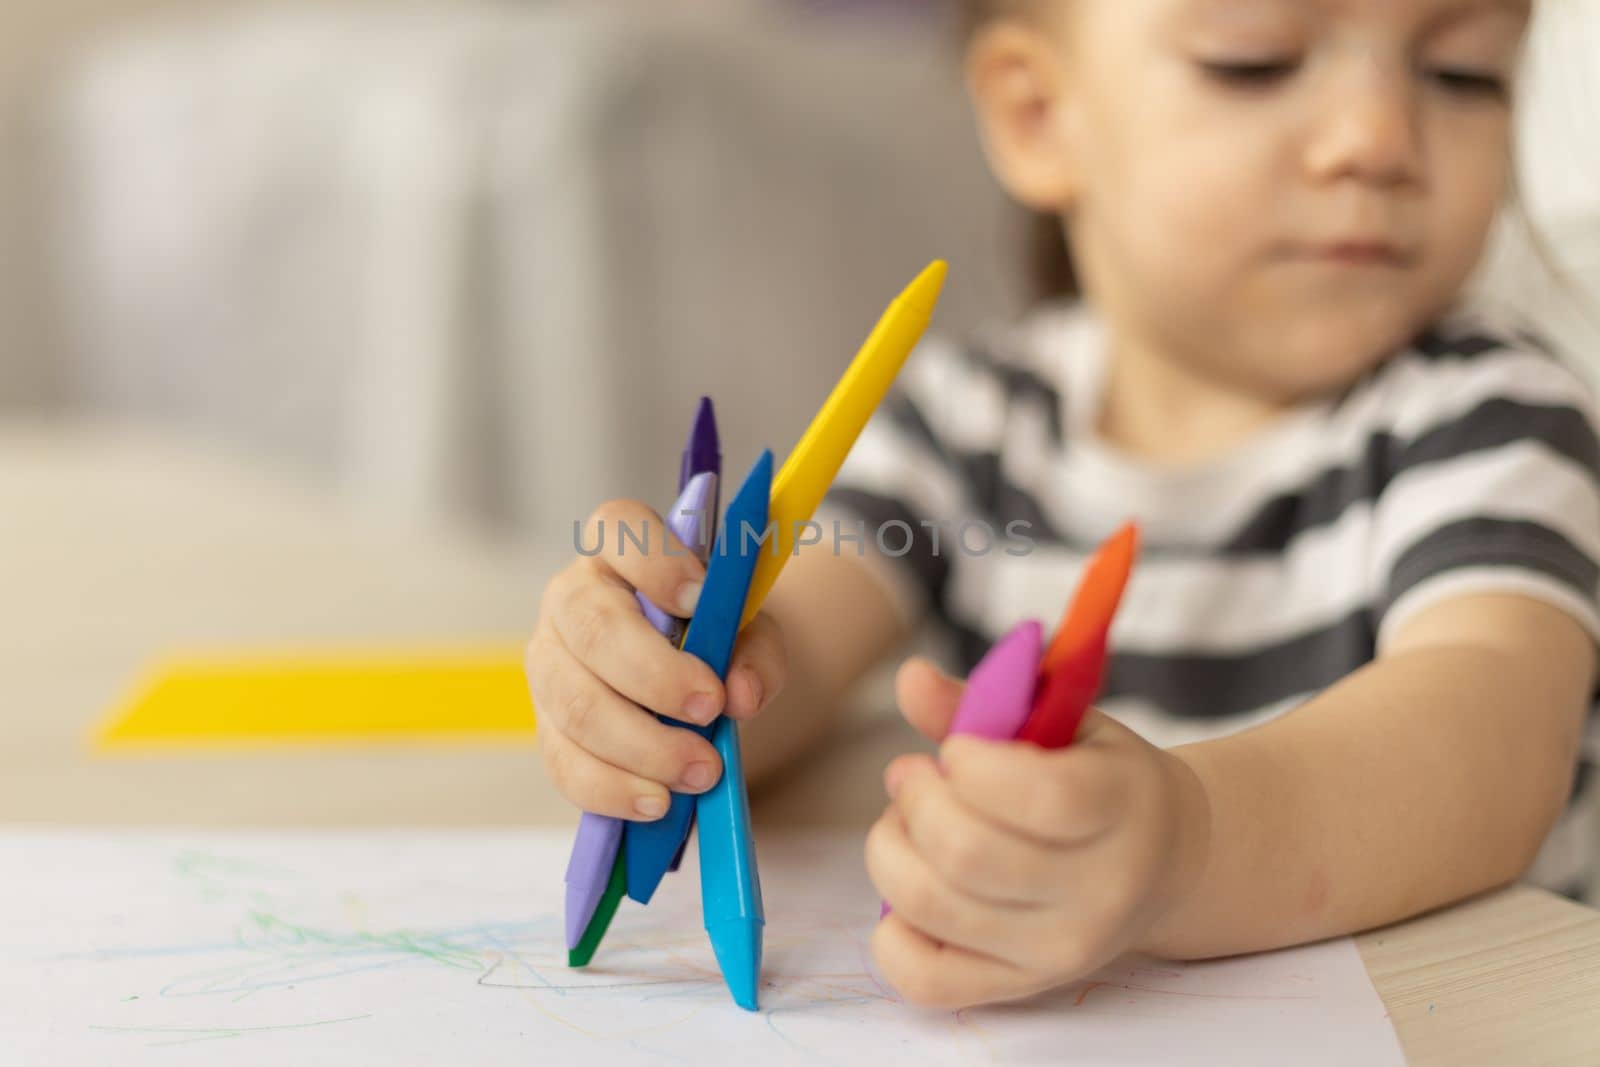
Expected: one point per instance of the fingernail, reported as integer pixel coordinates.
(651, 807)
(697, 777)
(688, 597)
(749, 690)
(700, 708)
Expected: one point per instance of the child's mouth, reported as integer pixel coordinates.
(1359, 253)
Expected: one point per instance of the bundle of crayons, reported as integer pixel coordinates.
(1018, 692)
(611, 856)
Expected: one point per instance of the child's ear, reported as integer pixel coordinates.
(1017, 78)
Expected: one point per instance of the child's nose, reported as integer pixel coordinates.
(1368, 128)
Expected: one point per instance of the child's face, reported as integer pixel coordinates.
(1281, 191)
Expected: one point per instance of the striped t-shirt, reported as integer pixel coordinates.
(1468, 462)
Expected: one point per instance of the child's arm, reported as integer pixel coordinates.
(1431, 774)
(1428, 775)
(837, 622)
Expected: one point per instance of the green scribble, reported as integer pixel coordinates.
(198, 864)
(216, 878)
(281, 932)
(216, 1033)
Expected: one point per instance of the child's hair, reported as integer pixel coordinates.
(1050, 268)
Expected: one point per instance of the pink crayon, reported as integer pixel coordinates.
(999, 691)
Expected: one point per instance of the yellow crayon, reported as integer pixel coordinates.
(811, 467)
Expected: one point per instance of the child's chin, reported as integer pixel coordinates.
(1320, 354)
(1336, 368)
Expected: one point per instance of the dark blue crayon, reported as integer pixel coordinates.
(651, 846)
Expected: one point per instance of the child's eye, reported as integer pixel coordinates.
(1468, 82)
(1249, 74)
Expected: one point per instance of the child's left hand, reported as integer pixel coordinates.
(1018, 869)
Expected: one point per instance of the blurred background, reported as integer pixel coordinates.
(421, 252)
(323, 321)
(472, 261)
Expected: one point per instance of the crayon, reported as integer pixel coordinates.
(810, 468)
(651, 846)
(730, 887)
(580, 954)
(1000, 690)
(702, 454)
(1072, 679)
(1089, 613)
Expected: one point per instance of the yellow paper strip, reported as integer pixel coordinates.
(390, 696)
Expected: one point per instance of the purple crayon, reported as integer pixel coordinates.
(595, 849)
(702, 453)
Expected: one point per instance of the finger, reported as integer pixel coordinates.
(931, 974)
(758, 668)
(927, 696)
(922, 896)
(976, 855)
(1097, 728)
(597, 619)
(635, 544)
(1074, 794)
(901, 766)
(587, 712)
(596, 786)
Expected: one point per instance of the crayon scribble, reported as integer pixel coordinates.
(289, 939)
(212, 1034)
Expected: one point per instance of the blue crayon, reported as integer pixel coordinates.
(730, 888)
(651, 846)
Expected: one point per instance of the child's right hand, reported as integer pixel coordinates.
(595, 664)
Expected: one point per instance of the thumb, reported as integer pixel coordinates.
(927, 696)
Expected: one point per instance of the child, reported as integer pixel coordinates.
(1352, 668)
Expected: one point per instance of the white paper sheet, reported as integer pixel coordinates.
(445, 948)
